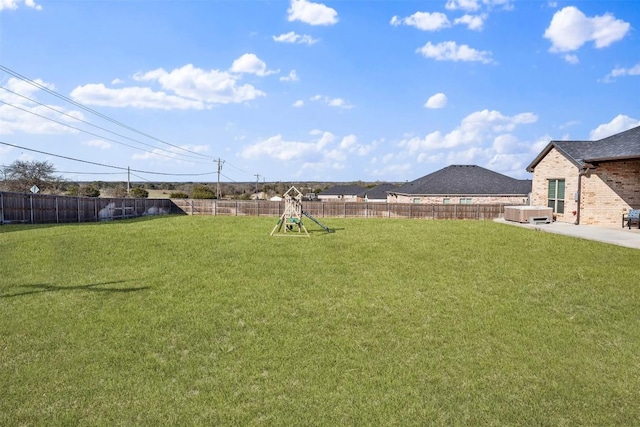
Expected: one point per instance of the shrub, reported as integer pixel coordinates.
(139, 193)
(178, 195)
(202, 192)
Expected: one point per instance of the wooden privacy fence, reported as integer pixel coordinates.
(338, 209)
(41, 209)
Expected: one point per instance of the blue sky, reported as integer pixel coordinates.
(310, 91)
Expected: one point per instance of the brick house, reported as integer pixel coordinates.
(463, 184)
(589, 182)
(377, 194)
(341, 193)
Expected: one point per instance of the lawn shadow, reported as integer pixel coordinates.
(9, 226)
(93, 287)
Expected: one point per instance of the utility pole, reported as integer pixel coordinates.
(128, 180)
(220, 163)
(257, 179)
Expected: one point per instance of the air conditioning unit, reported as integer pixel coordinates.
(528, 214)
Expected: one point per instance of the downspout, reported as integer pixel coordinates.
(579, 195)
(584, 172)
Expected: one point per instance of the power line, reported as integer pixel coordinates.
(102, 164)
(85, 122)
(92, 111)
(90, 173)
(89, 133)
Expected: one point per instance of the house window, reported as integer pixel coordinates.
(465, 201)
(555, 199)
(416, 200)
(446, 201)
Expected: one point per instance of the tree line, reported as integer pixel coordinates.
(21, 176)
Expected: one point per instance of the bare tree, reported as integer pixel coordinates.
(22, 175)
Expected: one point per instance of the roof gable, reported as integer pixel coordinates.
(465, 180)
(378, 192)
(621, 146)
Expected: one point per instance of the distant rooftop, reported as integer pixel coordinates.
(465, 180)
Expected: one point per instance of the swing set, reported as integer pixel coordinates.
(290, 222)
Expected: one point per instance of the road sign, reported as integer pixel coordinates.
(35, 189)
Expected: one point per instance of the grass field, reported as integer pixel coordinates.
(209, 321)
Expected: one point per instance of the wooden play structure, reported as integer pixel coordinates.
(290, 222)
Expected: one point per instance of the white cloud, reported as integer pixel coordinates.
(22, 114)
(299, 103)
(570, 29)
(483, 138)
(291, 77)
(439, 100)
(621, 72)
(424, 21)
(332, 102)
(339, 102)
(277, 148)
(292, 37)
(476, 129)
(468, 5)
(323, 152)
(116, 82)
(312, 13)
(99, 143)
(450, 51)
(250, 63)
(620, 123)
(572, 59)
(135, 96)
(473, 22)
(189, 87)
(13, 4)
(473, 5)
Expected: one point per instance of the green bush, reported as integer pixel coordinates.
(139, 193)
(178, 195)
(202, 192)
(83, 191)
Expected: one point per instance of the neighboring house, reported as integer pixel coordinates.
(463, 184)
(589, 182)
(378, 193)
(341, 193)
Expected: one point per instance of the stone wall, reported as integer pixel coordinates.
(556, 166)
(454, 200)
(609, 191)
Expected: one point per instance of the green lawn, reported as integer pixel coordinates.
(209, 321)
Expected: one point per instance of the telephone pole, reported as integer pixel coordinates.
(220, 162)
(257, 179)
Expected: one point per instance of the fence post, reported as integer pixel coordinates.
(1, 209)
(31, 208)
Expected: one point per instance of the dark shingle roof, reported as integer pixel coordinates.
(623, 145)
(465, 180)
(379, 191)
(342, 190)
